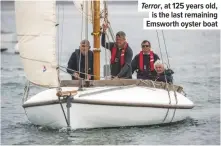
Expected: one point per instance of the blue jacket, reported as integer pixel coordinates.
(77, 63)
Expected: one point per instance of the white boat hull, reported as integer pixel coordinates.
(95, 116)
(93, 110)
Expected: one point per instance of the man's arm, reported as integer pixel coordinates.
(104, 44)
(72, 64)
(156, 57)
(169, 78)
(134, 64)
(128, 59)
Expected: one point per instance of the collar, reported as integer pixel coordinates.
(146, 53)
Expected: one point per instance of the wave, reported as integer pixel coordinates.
(12, 84)
(12, 69)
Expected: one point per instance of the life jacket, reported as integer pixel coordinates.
(122, 56)
(151, 61)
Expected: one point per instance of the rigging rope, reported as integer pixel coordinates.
(81, 10)
(159, 46)
(166, 49)
(62, 31)
(175, 95)
(90, 17)
(109, 30)
(86, 37)
(161, 54)
(92, 12)
(105, 21)
(108, 22)
(82, 24)
(58, 40)
(60, 48)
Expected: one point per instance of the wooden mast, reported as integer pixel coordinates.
(96, 34)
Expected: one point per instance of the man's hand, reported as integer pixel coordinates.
(105, 26)
(116, 78)
(88, 77)
(76, 75)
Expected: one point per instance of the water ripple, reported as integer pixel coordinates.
(12, 69)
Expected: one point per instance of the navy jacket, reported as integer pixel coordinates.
(146, 74)
(165, 77)
(77, 63)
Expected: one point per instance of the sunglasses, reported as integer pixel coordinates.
(143, 46)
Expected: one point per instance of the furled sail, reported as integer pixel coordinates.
(36, 30)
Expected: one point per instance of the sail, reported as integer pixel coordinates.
(36, 31)
(80, 4)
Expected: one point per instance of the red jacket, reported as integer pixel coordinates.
(122, 56)
(141, 66)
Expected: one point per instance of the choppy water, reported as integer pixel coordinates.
(194, 56)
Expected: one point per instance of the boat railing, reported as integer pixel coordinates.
(122, 82)
(107, 90)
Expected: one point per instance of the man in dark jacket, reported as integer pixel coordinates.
(143, 63)
(163, 75)
(77, 62)
(121, 55)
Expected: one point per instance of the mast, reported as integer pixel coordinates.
(96, 35)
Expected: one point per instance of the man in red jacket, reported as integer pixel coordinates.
(121, 55)
(143, 63)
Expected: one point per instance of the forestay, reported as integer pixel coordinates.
(36, 30)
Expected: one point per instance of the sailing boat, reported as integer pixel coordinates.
(82, 103)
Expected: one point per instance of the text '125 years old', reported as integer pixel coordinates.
(175, 14)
